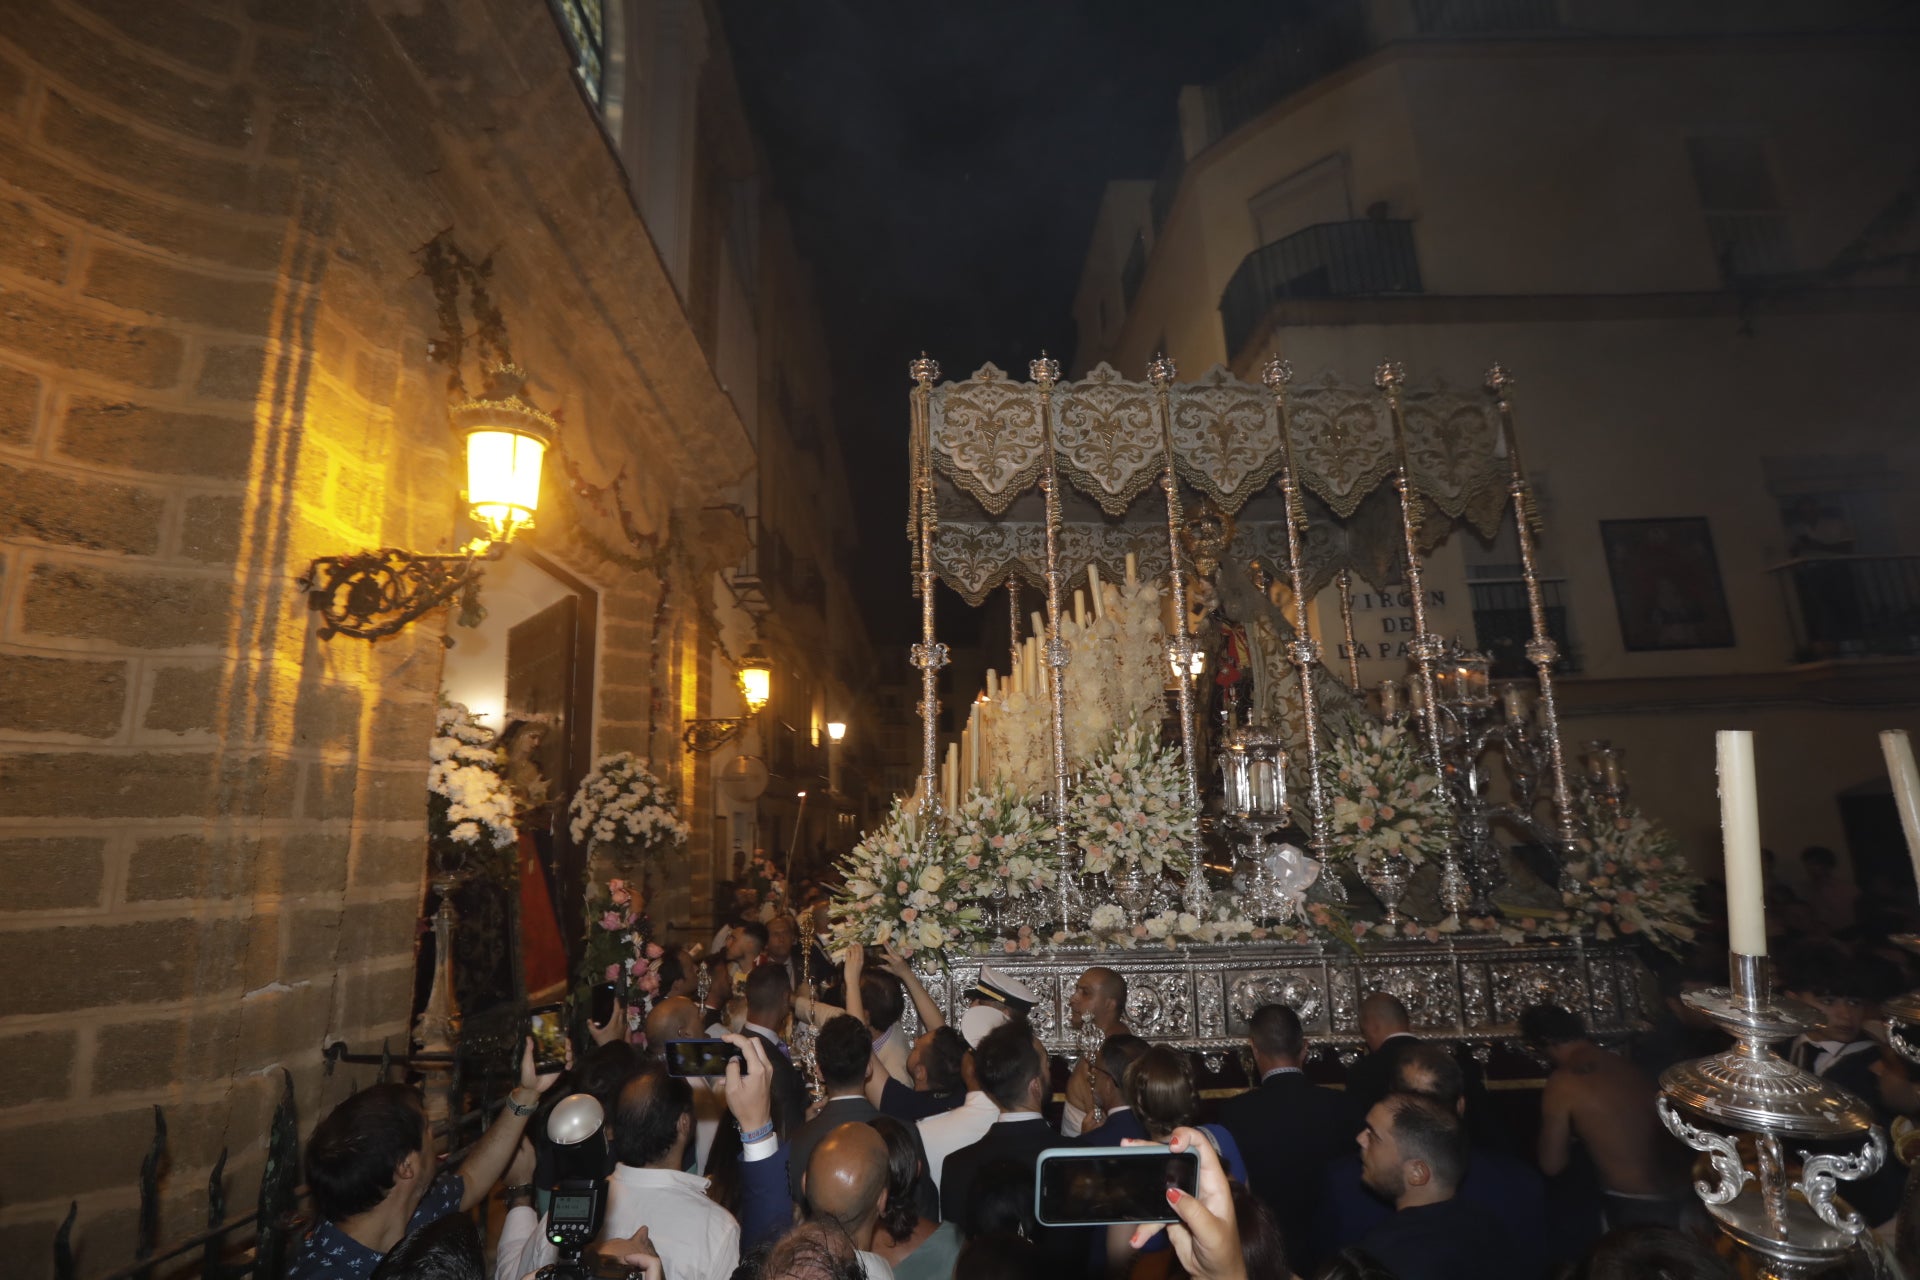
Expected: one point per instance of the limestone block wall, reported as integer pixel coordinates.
(212, 369)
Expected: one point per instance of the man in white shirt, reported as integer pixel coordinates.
(966, 1124)
(650, 1133)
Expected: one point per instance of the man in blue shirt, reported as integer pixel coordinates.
(373, 1178)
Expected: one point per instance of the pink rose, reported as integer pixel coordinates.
(998, 842)
(613, 973)
(910, 914)
(1360, 927)
(1139, 931)
(1009, 946)
(1529, 924)
(900, 887)
(650, 983)
(611, 921)
(973, 862)
(1627, 926)
(655, 951)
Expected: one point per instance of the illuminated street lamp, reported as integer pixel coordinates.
(377, 593)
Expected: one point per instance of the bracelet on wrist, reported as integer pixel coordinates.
(522, 1109)
(748, 1137)
(518, 1191)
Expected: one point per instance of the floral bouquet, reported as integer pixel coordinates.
(469, 808)
(618, 950)
(623, 809)
(1634, 879)
(1127, 808)
(902, 890)
(1382, 799)
(1002, 839)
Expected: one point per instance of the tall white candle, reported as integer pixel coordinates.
(1898, 749)
(1740, 831)
(967, 759)
(1039, 624)
(953, 776)
(1079, 607)
(993, 684)
(1093, 588)
(973, 759)
(1133, 568)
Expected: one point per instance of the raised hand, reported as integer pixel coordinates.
(1207, 1237)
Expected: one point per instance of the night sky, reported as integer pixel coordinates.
(941, 164)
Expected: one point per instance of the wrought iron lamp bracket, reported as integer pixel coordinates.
(713, 733)
(374, 594)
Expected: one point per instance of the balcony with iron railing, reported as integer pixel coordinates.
(1328, 260)
(1503, 623)
(1852, 606)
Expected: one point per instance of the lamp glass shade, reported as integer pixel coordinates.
(756, 680)
(503, 479)
(836, 730)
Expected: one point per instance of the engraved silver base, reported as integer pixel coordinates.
(1200, 997)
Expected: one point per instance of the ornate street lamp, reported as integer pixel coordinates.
(755, 676)
(377, 593)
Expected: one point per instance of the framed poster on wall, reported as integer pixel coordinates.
(1666, 584)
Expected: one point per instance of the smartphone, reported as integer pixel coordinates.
(1101, 1186)
(547, 1024)
(701, 1057)
(601, 1010)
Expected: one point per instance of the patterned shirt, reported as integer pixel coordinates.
(328, 1253)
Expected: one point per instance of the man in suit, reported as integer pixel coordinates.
(1506, 1186)
(1117, 1054)
(1413, 1153)
(1388, 1031)
(844, 1054)
(1288, 1130)
(769, 1006)
(1011, 1066)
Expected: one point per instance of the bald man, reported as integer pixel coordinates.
(846, 1181)
(678, 1018)
(1388, 1031)
(1100, 996)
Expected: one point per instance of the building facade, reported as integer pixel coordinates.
(221, 358)
(1692, 244)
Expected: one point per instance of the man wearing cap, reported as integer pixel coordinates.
(1100, 997)
(995, 999)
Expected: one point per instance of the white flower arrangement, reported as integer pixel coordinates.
(622, 804)
(999, 837)
(467, 772)
(1127, 807)
(904, 890)
(1382, 800)
(1634, 879)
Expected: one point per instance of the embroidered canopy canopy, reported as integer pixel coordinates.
(989, 444)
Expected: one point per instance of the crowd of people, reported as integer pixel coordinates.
(915, 1157)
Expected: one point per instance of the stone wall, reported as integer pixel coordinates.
(212, 369)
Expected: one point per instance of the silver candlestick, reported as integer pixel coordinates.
(1749, 1099)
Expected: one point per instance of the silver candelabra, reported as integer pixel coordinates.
(1740, 1109)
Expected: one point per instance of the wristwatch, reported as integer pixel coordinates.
(519, 1110)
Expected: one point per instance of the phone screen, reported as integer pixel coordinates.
(602, 1008)
(547, 1025)
(1081, 1187)
(701, 1057)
